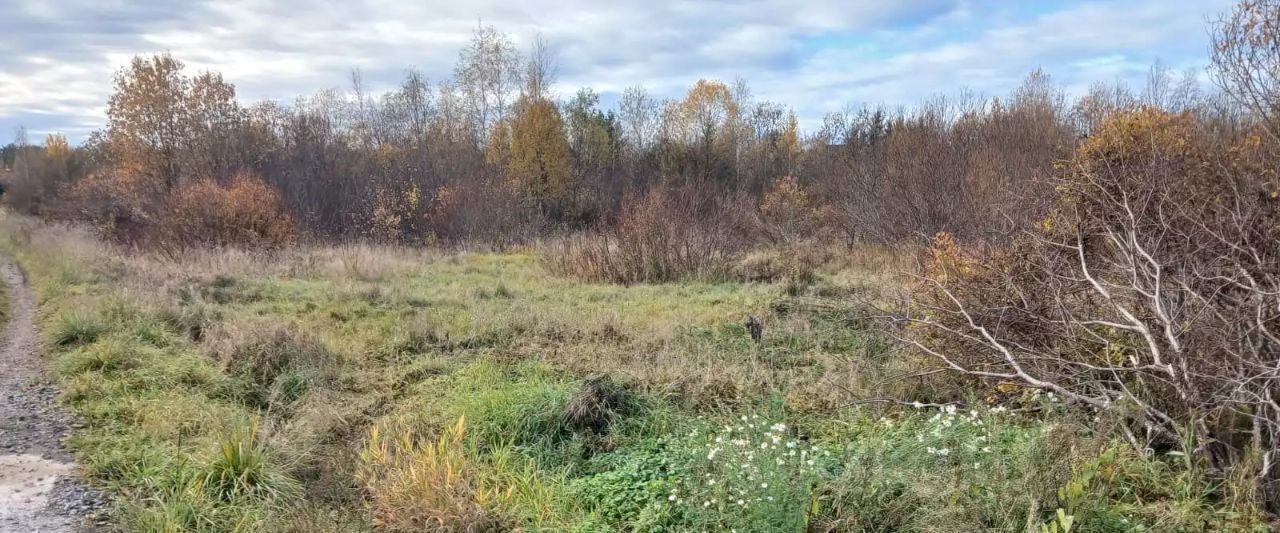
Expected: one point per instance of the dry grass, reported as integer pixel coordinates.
(421, 484)
(666, 235)
(369, 262)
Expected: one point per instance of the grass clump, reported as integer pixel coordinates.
(241, 470)
(76, 328)
(416, 483)
(520, 406)
(6, 304)
(597, 404)
(273, 366)
(112, 354)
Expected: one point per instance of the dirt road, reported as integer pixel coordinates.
(39, 489)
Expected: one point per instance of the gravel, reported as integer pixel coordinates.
(40, 490)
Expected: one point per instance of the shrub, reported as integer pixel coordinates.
(786, 212)
(1150, 293)
(666, 235)
(245, 212)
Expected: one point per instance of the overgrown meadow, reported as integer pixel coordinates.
(357, 388)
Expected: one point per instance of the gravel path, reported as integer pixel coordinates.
(39, 488)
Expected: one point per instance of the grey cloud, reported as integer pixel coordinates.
(56, 58)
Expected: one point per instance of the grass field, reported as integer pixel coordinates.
(360, 388)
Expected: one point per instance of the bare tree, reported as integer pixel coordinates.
(540, 69)
(1246, 58)
(488, 74)
(639, 114)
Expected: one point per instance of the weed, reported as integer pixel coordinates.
(260, 358)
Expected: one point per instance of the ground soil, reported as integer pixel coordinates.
(40, 489)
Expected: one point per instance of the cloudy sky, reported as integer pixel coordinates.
(57, 56)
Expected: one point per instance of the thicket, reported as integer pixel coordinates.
(1150, 292)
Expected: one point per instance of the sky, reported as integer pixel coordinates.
(57, 57)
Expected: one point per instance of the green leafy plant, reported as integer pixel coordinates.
(752, 475)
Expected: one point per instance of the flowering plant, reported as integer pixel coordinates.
(752, 475)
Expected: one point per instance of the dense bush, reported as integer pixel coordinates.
(1149, 293)
(245, 212)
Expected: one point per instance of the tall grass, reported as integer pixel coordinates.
(663, 236)
(422, 484)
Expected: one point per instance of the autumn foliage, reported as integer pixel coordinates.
(1148, 294)
(245, 212)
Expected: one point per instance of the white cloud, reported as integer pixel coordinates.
(57, 58)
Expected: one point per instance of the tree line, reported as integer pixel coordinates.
(492, 155)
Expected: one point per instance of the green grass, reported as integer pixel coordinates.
(6, 304)
(76, 328)
(240, 398)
